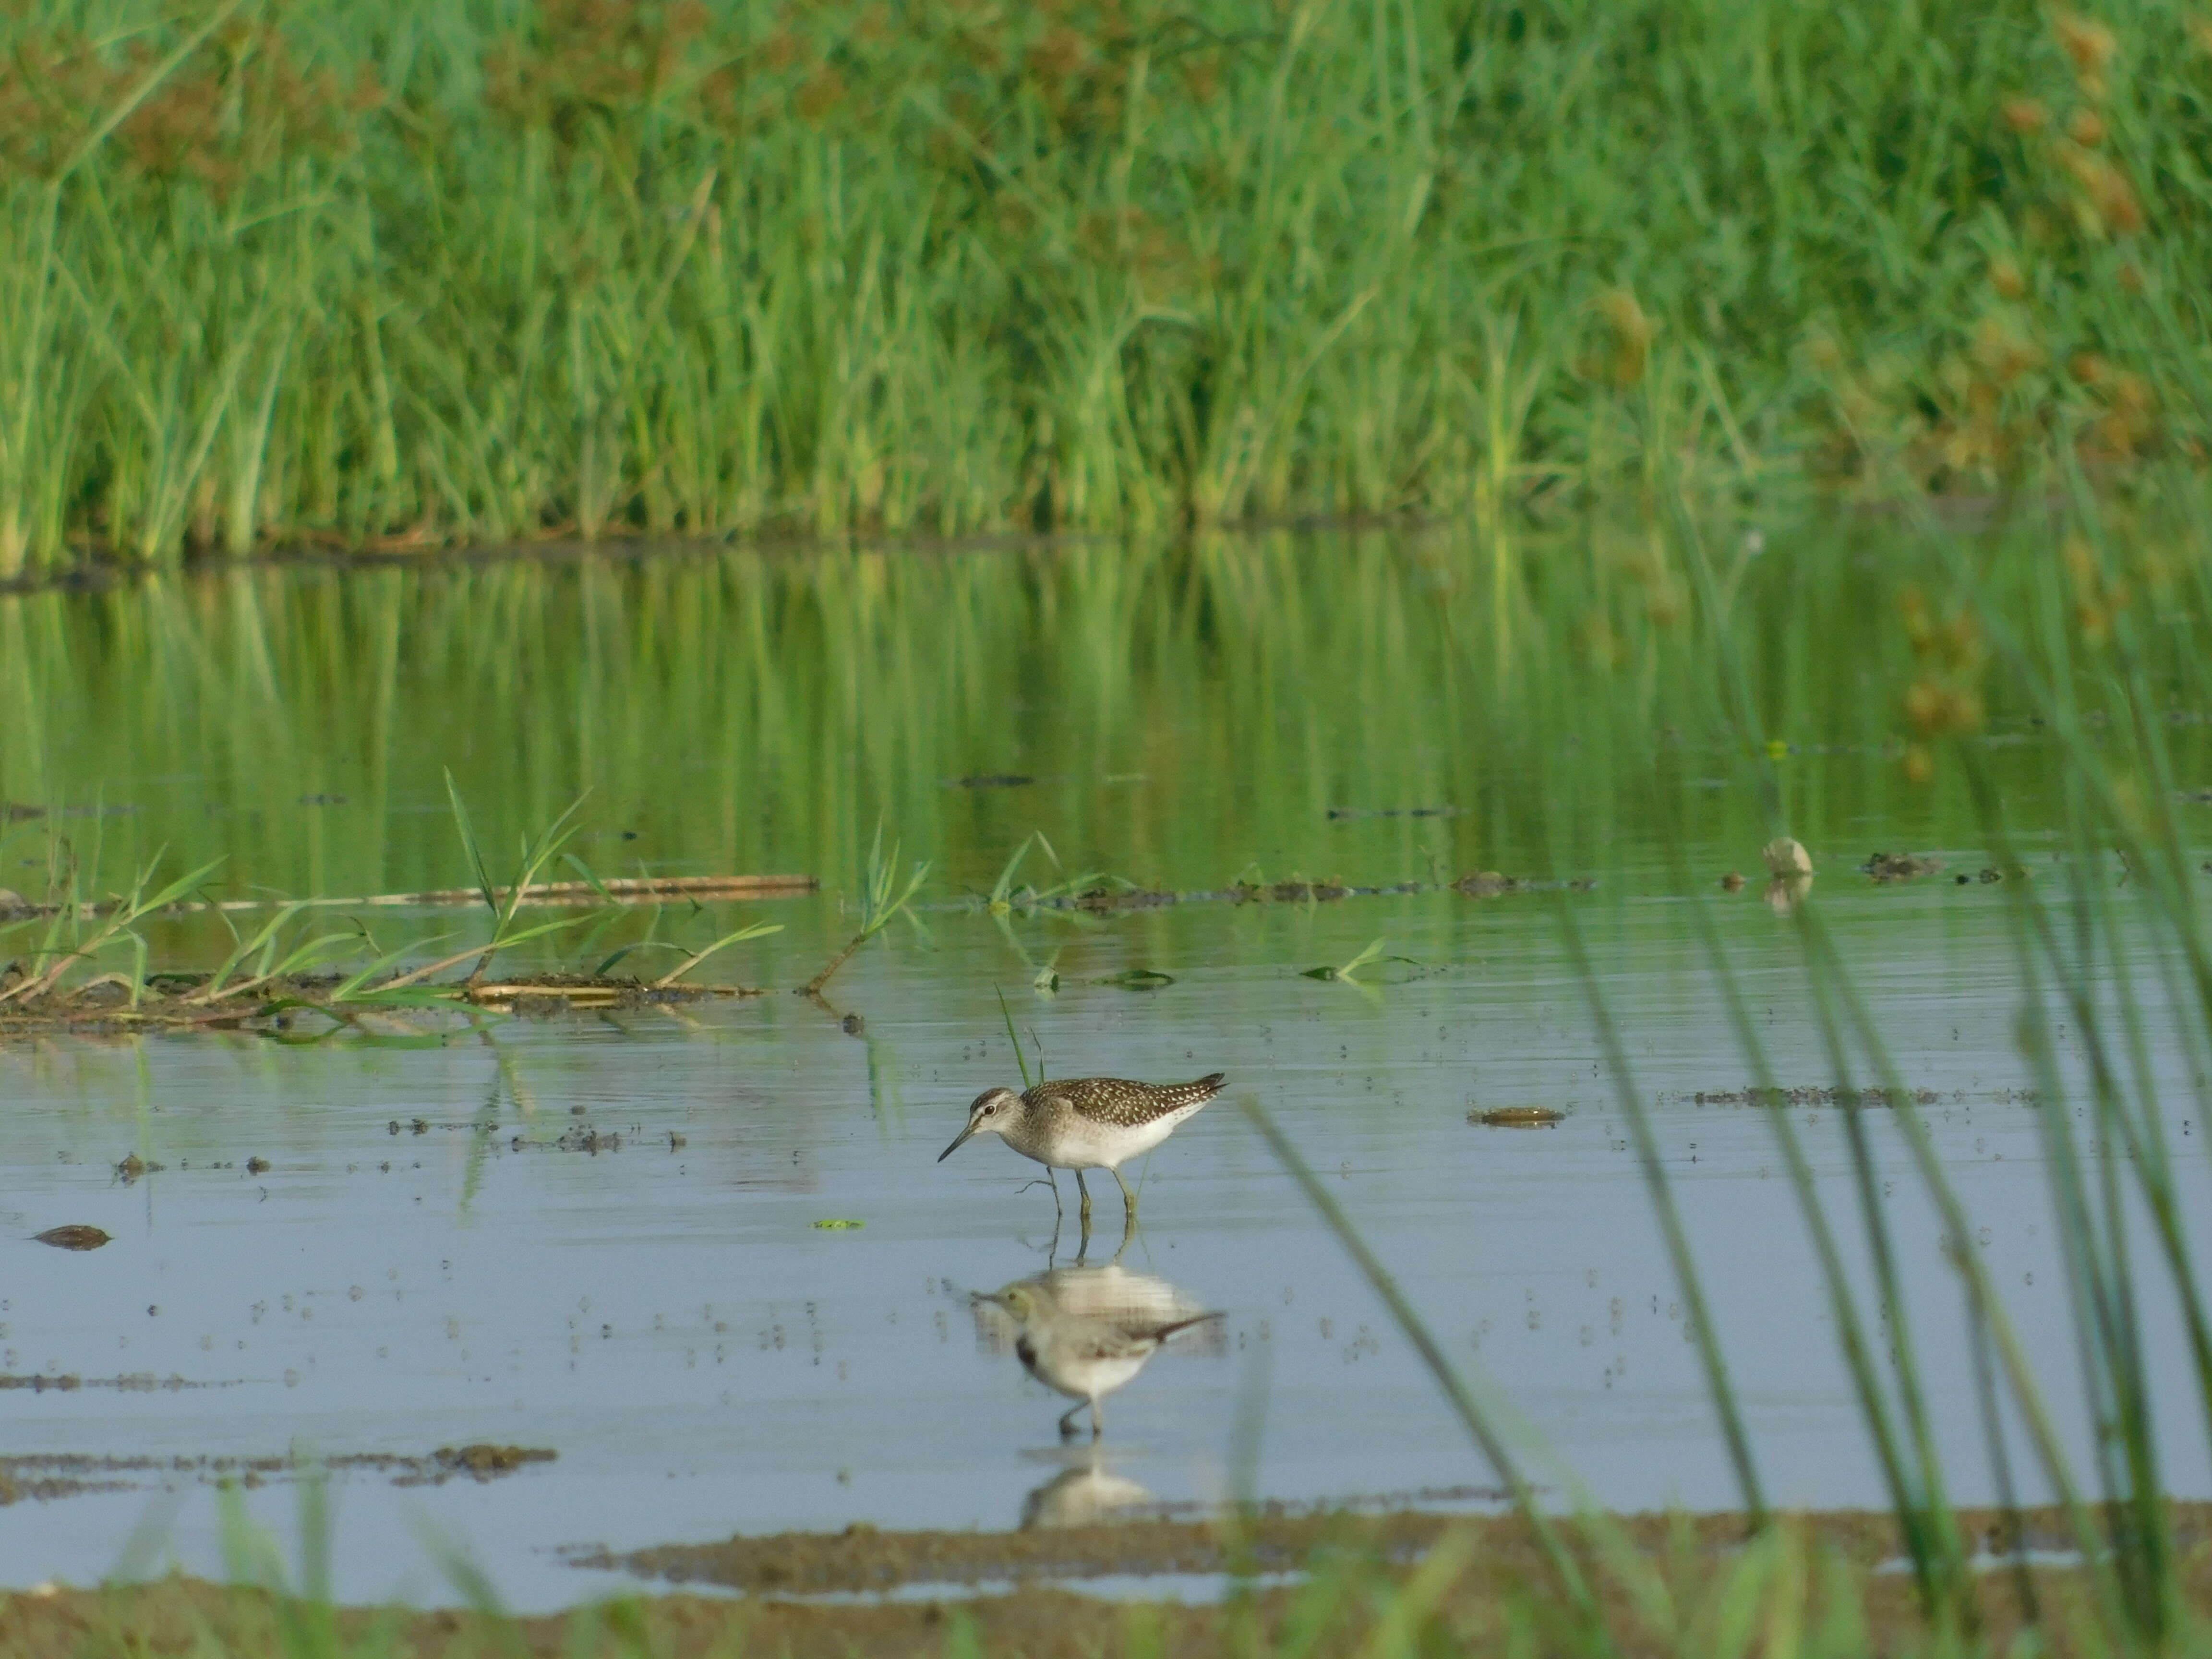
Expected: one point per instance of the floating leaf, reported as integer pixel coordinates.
(72, 1238)
(1139, 979)
(838, 1225)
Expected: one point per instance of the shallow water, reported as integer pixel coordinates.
(447, 1245)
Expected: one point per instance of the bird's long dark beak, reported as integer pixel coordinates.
(958, 1141)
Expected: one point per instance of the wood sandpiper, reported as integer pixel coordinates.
(1087, 1332)
(1087, 1123)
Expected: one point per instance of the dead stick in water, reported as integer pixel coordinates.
(644, 889)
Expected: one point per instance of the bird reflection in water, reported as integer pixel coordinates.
(1085, 1332)
(1786, 893)
(1083, 1495)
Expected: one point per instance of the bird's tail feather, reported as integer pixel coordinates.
(1166, 1331)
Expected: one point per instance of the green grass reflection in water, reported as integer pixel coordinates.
(1187, 713)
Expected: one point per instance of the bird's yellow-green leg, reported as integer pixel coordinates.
(1128, 1200)
(1085, 1191)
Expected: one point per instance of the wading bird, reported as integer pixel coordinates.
(1087, 1123)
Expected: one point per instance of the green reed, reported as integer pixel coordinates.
(2110, 940)
(389, 275)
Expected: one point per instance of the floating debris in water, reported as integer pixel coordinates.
(1139, 979)
(1899, 866)
(16, 812)
(586, 1140)
(1103, 900)
(1875, 1096)
(614, 890)
(1487, 883)
(1098, 900)
(322, 800)
(1732, 882)
(132, 1382)
(47, 1475)
(1339, 814)
(485, 1461)
(1786, 857)
(72, 1238)
(838, 1224)
(257, 1166)
(1517, 1117)
(1285, 892)
(993, 780)
(132, 1167)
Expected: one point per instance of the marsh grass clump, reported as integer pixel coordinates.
(280, 975)
(308, 274)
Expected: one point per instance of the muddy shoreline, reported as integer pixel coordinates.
(1270, 1539)
(1488, 1598)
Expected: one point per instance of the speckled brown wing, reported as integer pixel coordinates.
(1127, 1105)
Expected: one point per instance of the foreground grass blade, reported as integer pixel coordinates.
(1679, 1253)
(1470, 1413)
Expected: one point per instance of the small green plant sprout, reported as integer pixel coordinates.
(752, 930)
(1001, 897)
(265, 958)
(880, 905)
(692, 959)
(1005, 897)
(79, 932)
(538, 851)
(1349, 972)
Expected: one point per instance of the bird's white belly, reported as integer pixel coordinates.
(1082, 1144)
(1086, 1379)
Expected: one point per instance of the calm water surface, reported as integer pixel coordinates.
(448, 1245)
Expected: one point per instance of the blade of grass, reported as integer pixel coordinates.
(754, 930)
(1464, 1405)
(1687, 1277)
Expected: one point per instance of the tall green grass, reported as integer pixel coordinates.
(2111, 947)
(403, 273)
